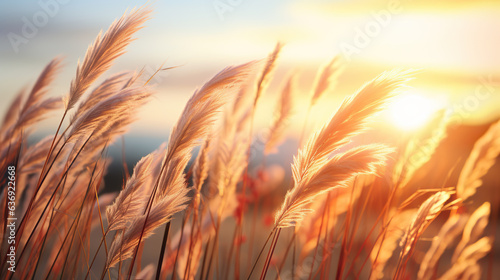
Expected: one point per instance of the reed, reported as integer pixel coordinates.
(330, 216)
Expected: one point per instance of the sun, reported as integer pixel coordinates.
(411, 111)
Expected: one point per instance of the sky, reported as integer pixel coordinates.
(454, 44)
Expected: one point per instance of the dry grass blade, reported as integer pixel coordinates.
(427, 212)
(32, 159)
(468, 259)
(102, 115)
(146, 273)
(173, 178)
(266, 74)
(201, 109)
(8, 139)
(123, 246)
(38, 112)
(201, 166)
(307, 230)
(385, 246)
(450, 230)
(194, 125)
(12, 113)
(476, 250)
(193, 259)
(132, 199)
(105, 49)
(105, 90)
(473, 229)
(40, 88)
(326, 79)
(232, 77)
(198, 117)
(229, 151)
(480, 160)
(36, 105)
(284, 110)
(349, 120)
(231, 161)
(242, 99)
(103, 201)
(313, 162)
(31, 162)
(336, 172)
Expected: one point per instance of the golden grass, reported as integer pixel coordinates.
(338, 229)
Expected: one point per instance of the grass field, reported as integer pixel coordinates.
(213, 203)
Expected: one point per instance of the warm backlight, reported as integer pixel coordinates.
(411, 111)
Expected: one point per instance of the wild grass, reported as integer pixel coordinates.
(332, 225)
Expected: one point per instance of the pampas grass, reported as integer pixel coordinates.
(123, 246)
(267, 72)
(331, 217)
(35, 106)
(335, 172)
(426, 213)
(326, 79)
(105, 49)
(284, 110)
(384, 248)
(481, 159)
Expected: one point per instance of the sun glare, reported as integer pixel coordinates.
(411, 111)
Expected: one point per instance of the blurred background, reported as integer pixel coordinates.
(455, 43)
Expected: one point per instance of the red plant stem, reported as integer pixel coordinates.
(260, 253)
(40, 180)
(318, 238)
(147, 211)
(239, 219)
(293, 256)
(366, 242)
(216, 238)
(48, 203)
(343, 250)
(326, 252)
(75, 223)
(270, 255)
(252, 234)
(493, 231)
(95, 255)
(205, 254)
(196, 227)
(92, 201)
(238, 253)
(286, 252)
(384, 212)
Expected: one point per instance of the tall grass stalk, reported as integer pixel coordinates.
(339, 228)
